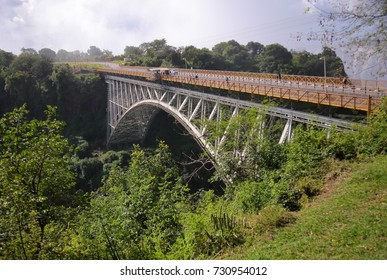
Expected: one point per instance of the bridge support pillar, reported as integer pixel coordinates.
(287, 132)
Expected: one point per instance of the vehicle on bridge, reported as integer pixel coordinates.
(158, 72)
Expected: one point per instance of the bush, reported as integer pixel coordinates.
(372, 139)
(252, 196)
(272, 217)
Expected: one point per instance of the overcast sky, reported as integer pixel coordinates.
(114, 24)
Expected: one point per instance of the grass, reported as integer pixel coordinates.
(349, 221)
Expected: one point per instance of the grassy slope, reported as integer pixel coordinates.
(348, 222)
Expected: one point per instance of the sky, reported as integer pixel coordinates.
(115, 24)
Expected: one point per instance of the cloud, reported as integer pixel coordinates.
(18, 20)
(77, 24)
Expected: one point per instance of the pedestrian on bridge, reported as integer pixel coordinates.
(345, 81)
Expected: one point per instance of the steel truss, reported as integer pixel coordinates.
(132, 105)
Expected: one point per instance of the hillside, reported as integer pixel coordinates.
(347, 221)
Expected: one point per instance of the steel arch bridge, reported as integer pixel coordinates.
(133, 104)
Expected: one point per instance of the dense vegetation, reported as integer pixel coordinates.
(252, 57)
(61, 199)
(143, 211)
(34, 80)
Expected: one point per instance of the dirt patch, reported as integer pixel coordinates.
(339, 173)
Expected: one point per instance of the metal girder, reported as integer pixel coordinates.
(132, 104)
(287, 132)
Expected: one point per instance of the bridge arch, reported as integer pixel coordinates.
(134, 124)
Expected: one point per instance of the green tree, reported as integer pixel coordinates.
(27, 81)
(132, 50)
(369, 140)
(48, 53)
(90, 170)
(133, 55)
(156, 53)
(305, 63)
(275, 58)
(35, 183)
(235, 55)
(334, 65)
(63, 55)
(202, 58)
(6, 59)
(30, 51)
(94, 51)
(255, 48)
(135, 215)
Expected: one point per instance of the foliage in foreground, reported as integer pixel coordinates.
(35, 183)
(142, 210)
(135, 215)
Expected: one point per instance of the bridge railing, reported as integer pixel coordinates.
(363, 103)
(333, 83)
(126, 72)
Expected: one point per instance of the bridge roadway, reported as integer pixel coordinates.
(363, 95)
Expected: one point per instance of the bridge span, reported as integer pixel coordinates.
(362, 95)
(134, 103)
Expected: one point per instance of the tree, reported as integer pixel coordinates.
(135, 215)
(274, 58)
(255, 48)
(235, 55)
(94, 51)
(90, 170)
(132, 50)
(156, 53)
(202, 58)
(335, 66)
(63, 55)
(6, 59)
(358, 26)
(48, 53)
(35, 182)
(305, 63)
(28, 51)
(27, 81)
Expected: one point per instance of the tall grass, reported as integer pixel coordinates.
(348, 222)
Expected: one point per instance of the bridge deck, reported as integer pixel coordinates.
(360, 95)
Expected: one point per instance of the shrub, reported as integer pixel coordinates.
(252, 196)
(272, 217)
